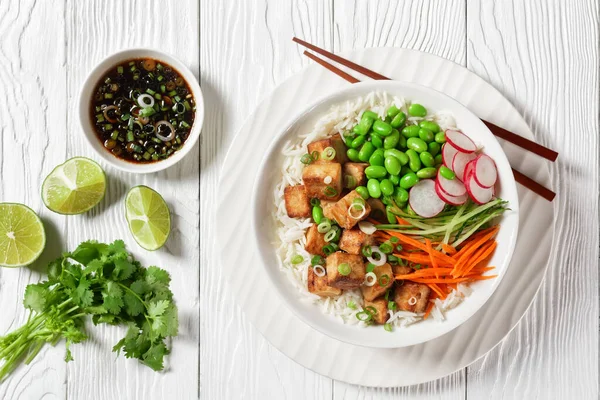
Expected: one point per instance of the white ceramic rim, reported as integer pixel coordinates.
(86, 122)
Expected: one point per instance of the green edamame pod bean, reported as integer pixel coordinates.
(417, 110)
(403, 158)
(440, 137)
(411, 131)
(375, 172)
(447, 172)
(366, 151)
(364, 125)
(373, 188)
(414, 162)
(402, 142)
(382, 128)
(386, 187)
(398, 120)
(317, 214)
(391, 217)
(409, 180)
(359, 141)
(417, 144)
(393, 111)
(377, 159)
(370, 114)
(426, 173)
(439, 159)
(434, 148)
(392, 165)
(395, 179)
(352, 155)
(405, 170)
(400, 195)
(377, 141)
(363, 191)
(426, 135)
(432, 126)
(392, 140)
(427, 159)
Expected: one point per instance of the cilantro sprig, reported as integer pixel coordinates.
(105, 282)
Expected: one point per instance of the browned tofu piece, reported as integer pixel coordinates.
(334, 141)
(314, 177)
(352, 240)
(318, 285)
(356, 276)
(402, 270)
(381, 310)
(327, 206)
(412, 296)
(372, 292)
(340, 211)
(315, 241)
(297, 203)
(357, 172)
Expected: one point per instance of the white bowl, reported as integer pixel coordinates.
(87, 125)
(375, 336)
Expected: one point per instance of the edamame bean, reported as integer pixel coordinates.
(440, 137)
(414, 162)
(400, 195)
(391, 217)
(392, 140)
(393, 111)
(352, 155)
(447, 172)
(405, 170)
(395, 179)
(409, 180)
(382, 127)
(402, 142)
(366, 151)
(392, 165)
(398, 120)
(432, 126)
(317, 214)
(417, 110)
(363, 191)
(411, 131)
(403, 158)
(386, 187)
(426, 173)
(377, 159)
(363, 126)
(439, 159)
(427, 159)
(426, 135)
(376, 172)
(359, 141)
(417, 144)
(434, 148)
(373, 188)
(370, 114)
(377, 141)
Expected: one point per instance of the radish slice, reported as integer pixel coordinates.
(459, 162)
(453, 187)
(460, 141)
(424, 199)
(452, 200)
(485, 172)
(448, 153)
(480, 195)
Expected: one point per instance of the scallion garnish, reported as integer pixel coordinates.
(297, 259)
(387, 327)
(384, 280)
(391, 305)
(330, 192)
(351, 305)
(328, 154)
(366, 251)
(364, 316)
(306, 159)
(344, 269)
(316, 260)
(315, 202)
(370, 267)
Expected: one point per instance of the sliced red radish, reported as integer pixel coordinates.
(448, 153)
(459, 162)
(424, 199)
(452, 200)
(453, 187)
(460, 141)
(480, 195)
(484, 171)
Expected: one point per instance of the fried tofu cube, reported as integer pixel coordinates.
(318, 285)
(315, 241)
(354, 174)
(340, 211)
(370, 293)
(402, 270)
(336, 143)
(352, 240)
(412, 297)
(327, 206)
(297, 203)
(381, 310)
(354, 279)
(323, 181)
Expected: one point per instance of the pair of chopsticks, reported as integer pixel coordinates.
(496, 130)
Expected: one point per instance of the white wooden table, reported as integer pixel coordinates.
(543, 55)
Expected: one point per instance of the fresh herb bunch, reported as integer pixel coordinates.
(107, 283)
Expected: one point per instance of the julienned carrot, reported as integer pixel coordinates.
(480, 256)
(401, 221)
(428, 309)
(449, 249)
(442, 280)
(462, 256)
(413, 242)
(431, 256)
(426, 272)
(436, 290)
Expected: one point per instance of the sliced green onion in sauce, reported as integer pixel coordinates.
(344, 269)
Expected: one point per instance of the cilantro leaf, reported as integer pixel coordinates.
(123, 269)
(156, 309)
(35, 297)
(140, 287)
(133, 305)
(155, 355)
(157, 276)
(113, 304)
(83, 296)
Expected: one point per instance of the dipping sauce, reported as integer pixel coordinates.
(142, 110)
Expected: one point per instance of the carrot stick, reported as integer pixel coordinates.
(431, 257)
(441, 280)
(428, 309)
(483, 254)
(469, 249)
(449, 249)
(421, 246)
(436, 289)
(401, 221)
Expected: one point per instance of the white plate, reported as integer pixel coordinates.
(356, 364)
(269, 177)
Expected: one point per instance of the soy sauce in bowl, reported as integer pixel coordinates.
(142, 110)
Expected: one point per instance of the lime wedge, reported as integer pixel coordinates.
(148, 217)
(74, 187)
(22, 236)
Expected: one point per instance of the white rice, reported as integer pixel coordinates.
(291, 231)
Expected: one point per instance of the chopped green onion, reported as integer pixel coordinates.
(150, 91)
(125, 117)
(386, 248)
(416, 266)
(157, 96)
(391, 305)
(184, 124)
(387, 294)
(366, 251)
(330, 235)
(344, 269)
(187, 105)
(120, 69)
(316, 260)
(392, 259)
(384, 280)
(371, 310)
(399, 247)
(108, 127)
(306, 159)
(314, 202)
(100, 118)
(315, 155)
(387, 327)
(177, 98)
(328, 154)
(324, 226)
(172, 93)
(370, 267)
(330, 192)
(297, 259)
(394, 239)
(160, 79)
(159, 67)
(351, 305)
(328, 249)
(130, 137)
(147, 111)
(108, 95)
(146, 156)
(114, 135)
(364, 316)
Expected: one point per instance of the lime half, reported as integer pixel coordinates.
(74, 187)
(148, 217)
(22, 236)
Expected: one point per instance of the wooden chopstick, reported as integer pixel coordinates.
(519, 177)
(520, 141)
